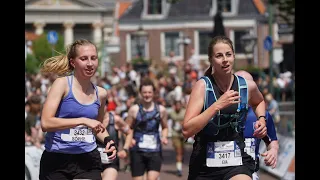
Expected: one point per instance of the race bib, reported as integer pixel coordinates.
(148, 142)
(104, 156)
(250, 148)
(177, 126)
(223, 154)
(79, 133)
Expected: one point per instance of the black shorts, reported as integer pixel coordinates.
(70, 166)
(115, 164)
(221, 173)
(144, 161)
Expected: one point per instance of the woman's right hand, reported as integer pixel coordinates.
(95, 125)
(228, 98)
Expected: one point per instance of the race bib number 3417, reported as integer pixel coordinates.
(223, 154)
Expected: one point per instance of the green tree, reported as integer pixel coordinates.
(285, 11)
(32, 64)
(43, 50)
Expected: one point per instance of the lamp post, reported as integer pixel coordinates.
(270, 23)
(185, 41)
(141, 36)
(248, 43)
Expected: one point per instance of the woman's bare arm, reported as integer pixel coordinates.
(49, 122)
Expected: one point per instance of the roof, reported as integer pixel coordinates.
(30, 36)
(85, 3)
(122, 8)
(196, 10)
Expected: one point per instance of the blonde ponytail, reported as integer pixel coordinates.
(58, 65)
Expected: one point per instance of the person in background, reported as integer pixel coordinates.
(114, 123)
(144, 118)
(252, 143)
(32, 131)
(177, 115)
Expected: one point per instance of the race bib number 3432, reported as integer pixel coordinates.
(79, 133)
(223, 154)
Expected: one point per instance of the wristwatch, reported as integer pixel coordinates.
(262, 117)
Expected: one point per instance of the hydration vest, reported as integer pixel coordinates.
(237, 120)
(146, 129)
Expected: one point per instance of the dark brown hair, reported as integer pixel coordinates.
(147, 82)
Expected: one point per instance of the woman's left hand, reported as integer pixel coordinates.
(261, 129)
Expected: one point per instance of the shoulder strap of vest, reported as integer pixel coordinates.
(209, 88)
(141, 114)
(243, 90)
(111, 119)
(157, 115)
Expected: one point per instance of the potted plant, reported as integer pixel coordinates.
(140, 64)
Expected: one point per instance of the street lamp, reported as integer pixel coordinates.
(141, 36)
(248, 42)
(185, 41)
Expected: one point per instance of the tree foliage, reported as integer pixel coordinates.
(285, 10)
(32, 64)
(43, 50)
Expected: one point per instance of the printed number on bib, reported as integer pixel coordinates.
(104, 156)
(223, 154)
(79, 133)
(250, 148)
(148, 142)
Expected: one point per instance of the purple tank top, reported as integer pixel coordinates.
(75, 140)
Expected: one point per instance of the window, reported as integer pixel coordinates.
(154, 7)
(136, 45)
(204, 41)
(171, 43)
(237, 40)
(224, 5)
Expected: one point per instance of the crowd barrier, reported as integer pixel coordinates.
(285, 169)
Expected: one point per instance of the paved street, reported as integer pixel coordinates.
(169, 168)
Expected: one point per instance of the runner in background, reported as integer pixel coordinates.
(144, 118)
(114, 124)
(252, 143)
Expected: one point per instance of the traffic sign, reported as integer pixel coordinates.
(52, 37)
(267, 43)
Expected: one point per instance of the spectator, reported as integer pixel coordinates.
(273, 108)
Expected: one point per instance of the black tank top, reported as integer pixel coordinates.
(113, 132)
(225, 134)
